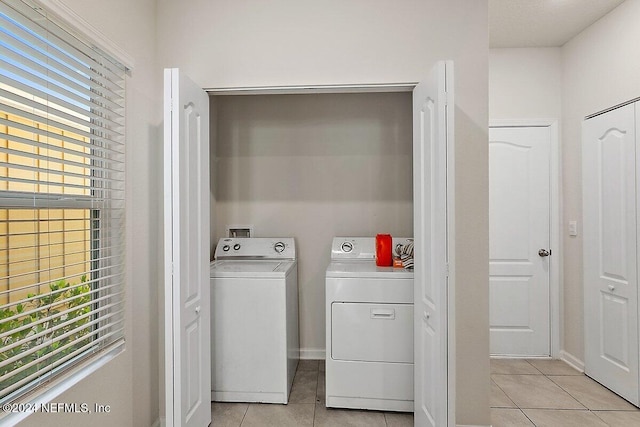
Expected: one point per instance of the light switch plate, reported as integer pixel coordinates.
(573, 228)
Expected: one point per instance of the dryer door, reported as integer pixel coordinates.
(372, 332)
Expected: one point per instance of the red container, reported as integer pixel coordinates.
(383, 250)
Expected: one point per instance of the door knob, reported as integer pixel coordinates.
(543, 252)
(198, 310)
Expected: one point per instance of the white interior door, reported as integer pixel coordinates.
(610, 251)
(432, 149)
(186, 210)
(519, 240)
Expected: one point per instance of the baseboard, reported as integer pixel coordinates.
(312, 353)
(572, 360)
(160, 422)
(472, 425)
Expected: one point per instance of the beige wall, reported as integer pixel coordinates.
(314, 167)
(601, 68)
(225, 43)
(130, 382)
(525, 83)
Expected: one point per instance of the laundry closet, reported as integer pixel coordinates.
(312, 166)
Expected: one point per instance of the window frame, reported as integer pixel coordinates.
(65, 18)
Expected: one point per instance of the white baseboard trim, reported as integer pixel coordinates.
(572, 360)
(472, 425)
(312, 353)
(160, 422)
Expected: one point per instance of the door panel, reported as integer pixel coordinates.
(187, 303)
(519, 226)
(610, 253)
(432, 149)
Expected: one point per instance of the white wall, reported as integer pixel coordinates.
(601, 68)
(314, 167)
(130, 382)
(226, 43)
(525, 83)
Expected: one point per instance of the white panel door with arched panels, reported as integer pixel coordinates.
(519, 240)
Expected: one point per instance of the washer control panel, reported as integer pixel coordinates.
(256, 248)
(358, 248)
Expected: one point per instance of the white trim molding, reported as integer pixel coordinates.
(305, 89)
(555, 216)
(312, 354)
(78, 26)
(571, 360)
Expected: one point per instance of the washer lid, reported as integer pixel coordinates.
(250, 268)
(366, 269)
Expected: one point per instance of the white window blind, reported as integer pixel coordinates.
(61, 199)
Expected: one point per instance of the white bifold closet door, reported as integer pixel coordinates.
(186, 244)
(610, 205)
(433, 153)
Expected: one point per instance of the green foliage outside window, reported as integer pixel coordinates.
(48, 318)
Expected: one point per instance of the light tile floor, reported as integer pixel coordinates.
(527, 393)
(545, 393)
(306, 408)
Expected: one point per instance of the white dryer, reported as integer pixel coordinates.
(254, 320)
(369, 329)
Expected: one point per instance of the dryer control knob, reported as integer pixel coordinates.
(225, 248)
(347, 247)
(236, 246)
(279, 247)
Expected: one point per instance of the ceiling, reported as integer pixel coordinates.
(542, 23)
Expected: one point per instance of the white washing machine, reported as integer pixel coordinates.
(254, 320)
(369, 315)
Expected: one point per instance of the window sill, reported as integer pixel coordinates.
(49, 391)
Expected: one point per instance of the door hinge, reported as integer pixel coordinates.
(447, 270)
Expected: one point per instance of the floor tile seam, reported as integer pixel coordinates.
(521, 374)
(534, 367)
(244, 415)
(313, 419)
(581, 410)
(606, 388)
(561, 388)
(595, 413)
(567, 391)
(527, 417)
(584, 408)
(505, 393)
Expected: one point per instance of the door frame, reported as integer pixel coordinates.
(450, 289)
(556, 325)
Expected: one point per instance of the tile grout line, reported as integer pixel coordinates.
(505, 393)
(527, 417)
(549, 376)
(244, 415)
(534, 367)
(588, 409)
(566, 391)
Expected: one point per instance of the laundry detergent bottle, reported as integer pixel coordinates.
(383, 250)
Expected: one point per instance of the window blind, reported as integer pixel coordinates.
(62, 199)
